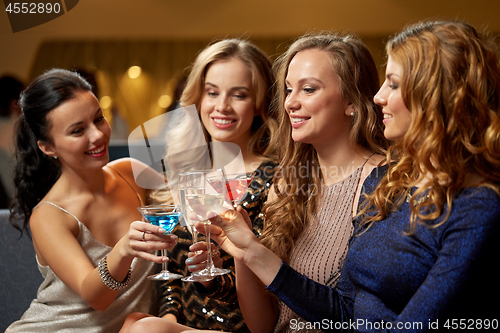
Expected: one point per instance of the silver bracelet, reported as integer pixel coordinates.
(108, 279)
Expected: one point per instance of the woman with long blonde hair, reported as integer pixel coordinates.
(231, 85)
(330, 139)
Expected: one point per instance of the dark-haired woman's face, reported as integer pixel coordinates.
(79, 133)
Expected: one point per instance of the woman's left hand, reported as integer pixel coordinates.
(197, 258)
(143, 239)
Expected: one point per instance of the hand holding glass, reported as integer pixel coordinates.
(191, 181)
(166, 217)
(202, 198)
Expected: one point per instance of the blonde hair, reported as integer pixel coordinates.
(451, 85)
(286, 217)
(264, 125)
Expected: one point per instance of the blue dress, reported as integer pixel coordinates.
(436, 278)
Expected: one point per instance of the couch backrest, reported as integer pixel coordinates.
(19, 274)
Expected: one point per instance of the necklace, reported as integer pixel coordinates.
(417, 201)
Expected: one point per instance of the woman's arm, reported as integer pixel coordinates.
(313, 301)
(54, 236)
(259, 308)
(257, 267)
(460, 285)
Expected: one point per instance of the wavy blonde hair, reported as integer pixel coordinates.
(264, 126)
(286, 217)
(451, 85)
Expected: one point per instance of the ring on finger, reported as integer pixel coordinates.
(143, 235)
(215, 253)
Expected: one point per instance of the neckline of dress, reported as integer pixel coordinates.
(340, 182)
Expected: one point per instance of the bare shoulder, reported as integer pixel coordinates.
(47, 217)
(138, 173)
(122, 165)
(131, 168)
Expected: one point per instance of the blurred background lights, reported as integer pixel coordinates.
(134, 72)
(105, 102)
(164, 101)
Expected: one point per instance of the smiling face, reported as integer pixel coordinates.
(318, 113)
(228, 103)
(79, 133)
(397, 117)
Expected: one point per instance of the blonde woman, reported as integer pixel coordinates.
(231, 85)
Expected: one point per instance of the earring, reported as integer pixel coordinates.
(352, 113)
(55, 157)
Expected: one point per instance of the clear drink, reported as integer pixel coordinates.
(201, 204)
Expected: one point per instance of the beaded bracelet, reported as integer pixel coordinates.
(108, 279)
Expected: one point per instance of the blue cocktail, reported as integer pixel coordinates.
(166, 217)
(167, 221)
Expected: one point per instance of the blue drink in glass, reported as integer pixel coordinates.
(166, 217)
(167, 221)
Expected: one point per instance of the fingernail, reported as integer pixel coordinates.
(211, 214)
(162, 231)
(192, 267)
(165, 259)
(189, 261)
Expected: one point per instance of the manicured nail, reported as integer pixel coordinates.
(192, 267)
(162, 231)
(189, 261)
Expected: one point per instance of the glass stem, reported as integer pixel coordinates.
(210, 264)
(164, 265)
(195, 235)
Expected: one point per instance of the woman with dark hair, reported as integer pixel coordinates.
(80, 210)
(422, 257)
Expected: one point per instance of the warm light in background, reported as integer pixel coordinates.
(164, 101)
(134, 72)
(105, 102)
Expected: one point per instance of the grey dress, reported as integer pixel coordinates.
(57, 308)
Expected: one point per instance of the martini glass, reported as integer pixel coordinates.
(202, 198)
(190, 180)
(236, 185)
(166, 217)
